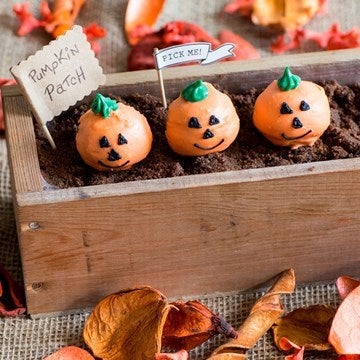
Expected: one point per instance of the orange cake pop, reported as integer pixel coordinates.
(202, 120)
(292, 112)
(112, 136)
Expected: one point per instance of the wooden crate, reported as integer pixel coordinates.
(187, 235)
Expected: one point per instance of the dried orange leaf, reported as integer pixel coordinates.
(180, 355)
(191, 323)
(308, 327)
(70, 353)
(287, 14)
(143, 14)
(345, 329)
(345, 285)
(127, 325)
(262, 316)
(243, 49)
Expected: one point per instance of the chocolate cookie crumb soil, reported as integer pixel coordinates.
(64, 168)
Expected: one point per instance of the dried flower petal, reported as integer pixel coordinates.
(243, 49)
(127, 325)
(94, 32)
(27, 20)
(289, 41)
(12, 297)
(70, 353)
(262, 316)
(345, 285)
(287, 14)
(308, 327)
(244, 7)
(192, 323)
(349, 357)
(345, 329)
(180, 355)
(141, 13)
(335, 39)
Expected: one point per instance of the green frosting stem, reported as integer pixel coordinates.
(103, 105)
(288, 81)
(196, 91)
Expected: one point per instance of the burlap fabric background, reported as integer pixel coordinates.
(24, 338)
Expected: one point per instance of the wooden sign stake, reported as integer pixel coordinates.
(161, 82)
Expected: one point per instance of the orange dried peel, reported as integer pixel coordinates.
(70, 353)
(344, 333)
(262, 316)
(308, 327)
(141, 13)
(127, 325)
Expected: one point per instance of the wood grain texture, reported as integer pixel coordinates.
(188, 235)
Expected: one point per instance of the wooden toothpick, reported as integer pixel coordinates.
(161, 81)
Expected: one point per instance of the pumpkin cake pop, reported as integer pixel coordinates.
(202, 120)
(292, 112)
(112, 136)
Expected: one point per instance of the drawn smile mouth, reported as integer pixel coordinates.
(295, 137)
(209, 148)
(113, 167)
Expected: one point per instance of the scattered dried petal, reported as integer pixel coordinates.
(345, 285)
(345, 329)
(243, 49)
(141, 13)
(287, 14)
(244, 7)
(335, 39)
(172, 33)
(262, 316)
(12, 297)
(349, 357)
(191, 323)
(70, 353)
(180, 355)
(289, 41)
(127, 325)
(308, 327)
(27, 20)
(297, 355)
(94, 32)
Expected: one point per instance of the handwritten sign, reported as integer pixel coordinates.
(196, 51)
(59, 75)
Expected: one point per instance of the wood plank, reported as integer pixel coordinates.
(23, 158)
(191, 241)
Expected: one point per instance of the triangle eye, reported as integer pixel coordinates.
(304, 106)
(214, 120)
(285, 109)
(104, 142)
(122, 140)
(194, 123)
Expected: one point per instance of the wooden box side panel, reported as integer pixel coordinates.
(190, 241)
(22, 153)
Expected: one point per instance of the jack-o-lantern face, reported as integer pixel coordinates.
(114, 142)
(201, 121)
(294, 115)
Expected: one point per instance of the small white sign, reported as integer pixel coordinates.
(59, 75)
(196, 51)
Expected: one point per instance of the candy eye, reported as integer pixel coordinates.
(104, 142)
(304, 106)
(194, 123)
(214, 120)
(122, 140)
(285, 109)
